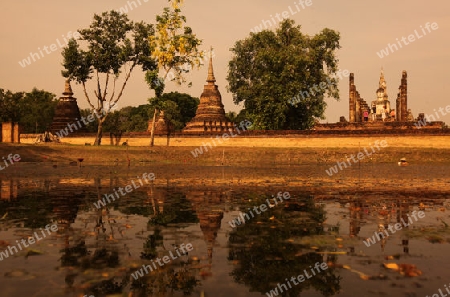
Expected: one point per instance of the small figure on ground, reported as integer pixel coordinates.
(366, 116)
(403, 162)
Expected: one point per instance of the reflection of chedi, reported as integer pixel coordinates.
(210, 115)
(210, 220)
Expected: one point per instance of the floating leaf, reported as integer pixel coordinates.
(404, 269)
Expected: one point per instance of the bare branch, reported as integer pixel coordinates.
(114, 89)
(125, 82)
(87, 96)
(106, 86)
(99, 94)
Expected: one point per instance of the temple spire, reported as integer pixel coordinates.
(211, 78)
(68, 89)
(382, 83)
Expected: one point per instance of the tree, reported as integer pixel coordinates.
(37, 110)
(115, 45)
(185, 102)
(10, 105)
(91, 127)
(271, 72)
(33, 110)
(176, 51)
(179, 109)
(128, 119)
(231, 116)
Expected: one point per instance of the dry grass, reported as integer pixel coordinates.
(292, 142)
(241, 151)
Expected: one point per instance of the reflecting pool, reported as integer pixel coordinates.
(137, 244)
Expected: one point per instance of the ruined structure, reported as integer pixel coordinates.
(357, 105)
(210, 115)
(10, 132)
(381, 114)
(160, 124)
(381, 105)
(402, 100)
(67, 112)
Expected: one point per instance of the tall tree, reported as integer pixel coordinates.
(176, 51)
(283, 76)
(115, 45)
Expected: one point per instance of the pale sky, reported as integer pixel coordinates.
(366, 27)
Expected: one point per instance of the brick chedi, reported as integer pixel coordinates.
(67, 112)
(210, 115)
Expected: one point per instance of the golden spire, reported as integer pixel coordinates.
(211, 78)
(68, 89)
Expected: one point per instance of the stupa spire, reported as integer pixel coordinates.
(210, 78)
(382, 83)
(68, 89)
(210, 114)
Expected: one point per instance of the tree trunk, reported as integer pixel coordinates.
(98, 139)
(168, 133)
(152, 134)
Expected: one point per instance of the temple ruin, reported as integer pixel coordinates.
(9, 132)
(402, 100)
(67, 112)
(380, 114)
(357, 105)
(160, 124)
(210, 114)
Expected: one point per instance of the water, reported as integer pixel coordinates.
(96, 252)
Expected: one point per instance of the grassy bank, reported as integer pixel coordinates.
(245, 151)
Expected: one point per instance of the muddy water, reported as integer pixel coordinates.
(96, 252)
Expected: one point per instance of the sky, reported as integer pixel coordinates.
(366, 28)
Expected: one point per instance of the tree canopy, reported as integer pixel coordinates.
(176, 50)
(114, 45)
(186, 104)
(179, 109)
(270, 71)
(32, 110)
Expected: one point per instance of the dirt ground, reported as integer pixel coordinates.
(301, 141)
(300, 163)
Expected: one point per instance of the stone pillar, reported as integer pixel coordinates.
(402, 99)
(15, 133)
(404, 96)
(352, 95)
(357, 108)
(398, 106)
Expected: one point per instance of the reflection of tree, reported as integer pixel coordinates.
(176, 209)
(33, 208)
(267, 254)
(167, 208)
(169, 277)
(76, 256)
(165, 280)
(150, 245)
